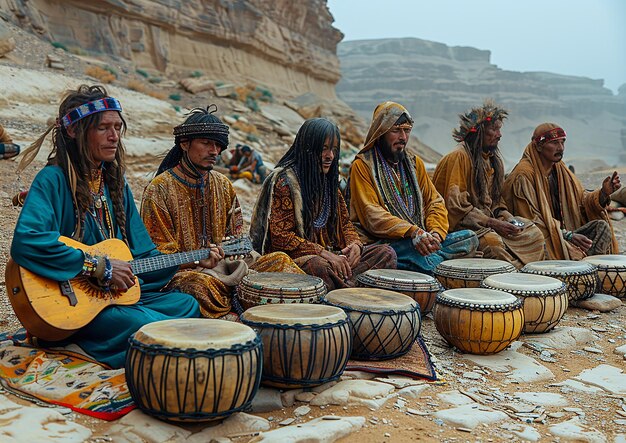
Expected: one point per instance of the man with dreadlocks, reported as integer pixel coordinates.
(82, 194)
(393, 200)
(470, 178)
(574, 222)
(189, 206)
(301, 211)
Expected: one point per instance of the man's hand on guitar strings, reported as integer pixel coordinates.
(123, 277)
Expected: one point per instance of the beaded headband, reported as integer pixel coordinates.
(548, 136)
(470, 121)
(191, 129)
(100, 105)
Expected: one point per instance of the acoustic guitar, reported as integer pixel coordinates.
(54, 310)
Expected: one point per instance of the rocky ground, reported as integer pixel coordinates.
(566, 385)
(544, 388)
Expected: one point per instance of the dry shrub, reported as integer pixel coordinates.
(245, 127)
(100, 73)
(140, 86)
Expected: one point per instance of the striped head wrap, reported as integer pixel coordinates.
(101, 105)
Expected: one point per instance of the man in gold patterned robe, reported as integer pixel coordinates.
(189, 206)
(392, 199)
(470, 178)
(574, 222)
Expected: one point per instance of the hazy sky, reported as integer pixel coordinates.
(572, 37)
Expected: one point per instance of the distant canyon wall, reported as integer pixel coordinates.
(288, 47)
(437, 82)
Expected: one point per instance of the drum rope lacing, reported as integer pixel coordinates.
(480, 306)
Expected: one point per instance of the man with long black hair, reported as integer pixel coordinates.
(471, 178)
(302, 212)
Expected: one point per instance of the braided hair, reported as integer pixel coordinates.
(74, 157)
(305, 159)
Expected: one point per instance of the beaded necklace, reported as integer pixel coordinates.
(189, 170)
(322, 217)
(403, 200)
(99, 209)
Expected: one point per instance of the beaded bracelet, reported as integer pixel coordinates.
(567, 235)
(108, 273)
(90, 264)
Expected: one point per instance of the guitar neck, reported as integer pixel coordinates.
(162, 261)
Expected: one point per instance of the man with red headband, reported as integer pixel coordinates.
(470, 179)
(573, 221)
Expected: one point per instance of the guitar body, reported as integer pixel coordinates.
(43, 308)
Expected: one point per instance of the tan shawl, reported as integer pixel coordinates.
(527, 194)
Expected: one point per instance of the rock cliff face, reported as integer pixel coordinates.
(437, 82)
(289, 47)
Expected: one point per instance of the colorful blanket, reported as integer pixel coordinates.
(62, 377)
(415, 364)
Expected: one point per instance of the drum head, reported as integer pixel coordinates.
(474, 266)
(283, 280)
(523, 282)
(289, 314)
(478, 296)
(195, 333)
(559, 267)
(607, 261)
(398, 279)
(371, 299)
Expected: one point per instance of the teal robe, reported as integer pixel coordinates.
(48, 213)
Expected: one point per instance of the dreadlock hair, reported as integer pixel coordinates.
(305, 158)
(73, 155)
(474, 147)
(193, 128)
(471, 130)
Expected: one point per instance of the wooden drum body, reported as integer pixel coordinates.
(469, 272)
(611, 273)
(420, 287)
(580, 277)
(544, 298)
(479, 321)
(304, 345)
(266, 288)
(193, 370)
(384, 323)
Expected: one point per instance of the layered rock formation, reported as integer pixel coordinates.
(437, 82)
(287, 47)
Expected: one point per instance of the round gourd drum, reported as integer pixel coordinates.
(193, 369)
(581, 278)
(478, 321)
(267, 288)
(304, 345)
(469, 272)
(420, 287)
(611, 273)
(384, 323)
(544, 298)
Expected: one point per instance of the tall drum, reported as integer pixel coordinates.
(420, 287)
(268, 288)
(193, 370)
(384, 323)
(611, 273)
(304, 345)
(580, 277)
(545, 298)
(469, 272)
(479, 321)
